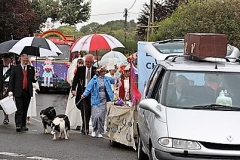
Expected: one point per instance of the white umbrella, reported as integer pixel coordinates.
(113, 58)
(36, 46)
(95, 42)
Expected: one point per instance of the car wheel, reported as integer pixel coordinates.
(140, 154)
(114, 144)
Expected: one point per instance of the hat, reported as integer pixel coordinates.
(6, 56)
(111, 67)
(101, 68)
(127, 67)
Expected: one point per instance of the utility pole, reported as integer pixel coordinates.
(148, 28)
(152, 14)
(125, 25)
(150, 19)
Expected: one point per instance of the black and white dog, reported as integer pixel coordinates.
(47, 115)
(60, 125)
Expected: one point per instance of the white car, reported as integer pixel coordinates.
(161, 49)
(199, 121)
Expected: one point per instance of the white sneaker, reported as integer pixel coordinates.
(100, 135)
(93, 134)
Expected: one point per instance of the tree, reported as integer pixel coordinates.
(73, 12)
(115, 29)
(17, 19)
(68, 12)
(215, 16)
(90, 28)
(46, 9)
(161, 11)
(69, 30)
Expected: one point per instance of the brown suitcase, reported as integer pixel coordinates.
(205, 45)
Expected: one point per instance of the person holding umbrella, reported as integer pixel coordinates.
(5, 71)
(20, 86)
(80, 80)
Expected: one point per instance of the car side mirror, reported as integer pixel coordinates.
(152, 106)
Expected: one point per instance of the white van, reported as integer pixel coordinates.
(190, 110)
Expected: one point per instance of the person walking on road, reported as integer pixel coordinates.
(80, 80)
(72, 111)
(21, 88)
(101, 92)
(5, 70)
(32, 109)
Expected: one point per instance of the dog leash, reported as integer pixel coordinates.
(74, 106)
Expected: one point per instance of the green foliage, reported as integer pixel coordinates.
(17, 19)
(161, 12)
(215, 16)
(117, 30)
(46, 9)
(65, 11)
(74, 11)
(70, 30)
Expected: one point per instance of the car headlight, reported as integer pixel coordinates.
(179, 143)
(184, 144)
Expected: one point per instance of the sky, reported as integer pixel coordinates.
(109, 10)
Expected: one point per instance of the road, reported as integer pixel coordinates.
(34, 144)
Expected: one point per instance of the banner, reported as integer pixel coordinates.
(121, 124)
(135, 95)
(146, 64)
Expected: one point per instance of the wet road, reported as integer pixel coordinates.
(34, 144)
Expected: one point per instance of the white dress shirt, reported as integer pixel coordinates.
(5, 69)
(86, 80)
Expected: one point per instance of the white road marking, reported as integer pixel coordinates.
(21, 155)
(36, 120)
(40, 158)
(11, 154)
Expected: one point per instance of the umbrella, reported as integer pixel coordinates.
(6, 46)
(94, 42)
(36, 46)
(113, 58)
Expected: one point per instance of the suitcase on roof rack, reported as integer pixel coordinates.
(205, 45)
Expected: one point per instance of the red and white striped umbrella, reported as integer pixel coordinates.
(95, 42)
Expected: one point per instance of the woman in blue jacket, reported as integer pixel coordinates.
(101, 92)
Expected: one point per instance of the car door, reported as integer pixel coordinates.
(144, 115)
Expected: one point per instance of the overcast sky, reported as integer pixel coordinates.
(108, 10)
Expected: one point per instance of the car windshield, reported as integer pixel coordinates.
(66, 51)
(203, 90)
(169, 47)
(65, 48)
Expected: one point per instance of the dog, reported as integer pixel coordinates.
(47, 115)
(60, 125)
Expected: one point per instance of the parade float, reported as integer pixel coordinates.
(53, 70)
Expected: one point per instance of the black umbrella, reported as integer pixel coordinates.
(35, 46)
(7, 45)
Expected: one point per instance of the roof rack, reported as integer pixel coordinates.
(190, 57)
(174, 57)
(233, 58)
(171, 40)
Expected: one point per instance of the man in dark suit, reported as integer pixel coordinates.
(176, 94)
(80, 80)
(5, 71)
(20, 86)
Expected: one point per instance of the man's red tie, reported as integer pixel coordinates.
(24, 78)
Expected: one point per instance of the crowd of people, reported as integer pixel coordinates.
(91, 89)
